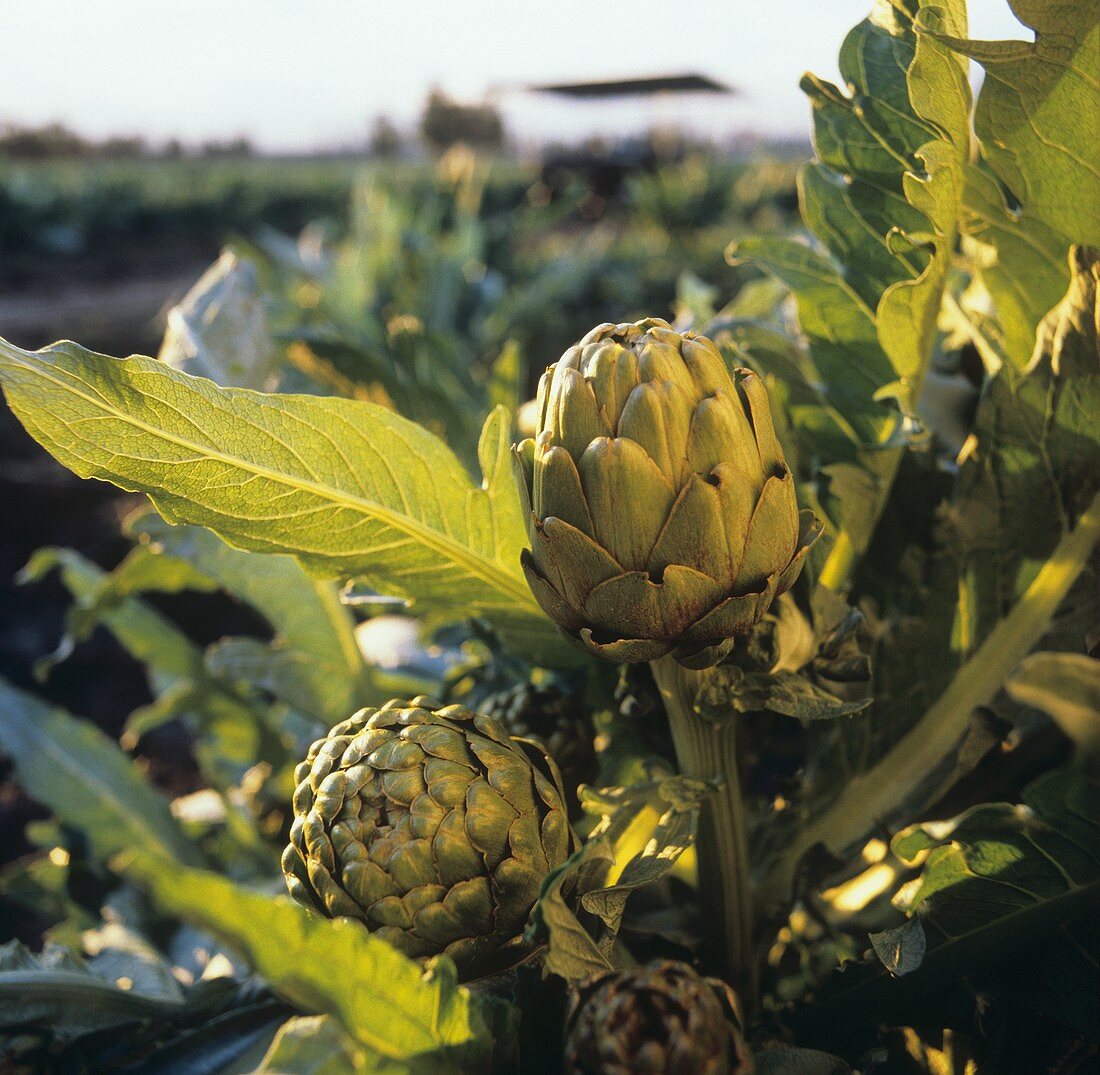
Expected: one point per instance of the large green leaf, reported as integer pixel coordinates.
(74, 769)
(384, 1000)
(1038, 114)
(995, 884)
(1033, 461)
(1038, 189)
(349, 488)
(883, 199)
(877, 793)
(1030, 471)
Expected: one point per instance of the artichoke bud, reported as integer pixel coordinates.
(661, 514)
(557, 722)
(431, 826)
(655, 1019)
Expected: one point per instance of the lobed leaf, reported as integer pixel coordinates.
(1036, 117)
(883, 198)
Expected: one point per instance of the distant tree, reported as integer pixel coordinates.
(41, 143)
(235, 147)
(445, 122)
(123, 147)
(385, 138)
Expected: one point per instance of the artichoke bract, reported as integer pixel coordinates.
(431, 826)
(661, 515)
(663, 1018)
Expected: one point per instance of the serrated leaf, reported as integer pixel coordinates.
(384, 1000)
(349, 488)
(1038, 189)
(74, 769)
(1020, 260)
(643, 831)
(788, 693)
(571, 951)
(676, 803)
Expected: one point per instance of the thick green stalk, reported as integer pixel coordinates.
(707, 751)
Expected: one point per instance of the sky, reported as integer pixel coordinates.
(299, 76)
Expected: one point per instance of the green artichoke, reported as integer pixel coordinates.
(661, 515)
(663, 1018)
(431, 826)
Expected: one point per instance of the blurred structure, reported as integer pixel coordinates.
(605, 166)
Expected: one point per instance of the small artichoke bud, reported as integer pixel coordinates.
(431, 826)
(558, 722)
(663, 1018)
(661, 515)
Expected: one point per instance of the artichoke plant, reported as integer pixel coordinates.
(661, 515)
(431, 826)
(663, 1018)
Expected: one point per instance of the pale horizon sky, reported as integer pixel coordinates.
(295, 76)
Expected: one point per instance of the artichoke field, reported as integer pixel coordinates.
(732, 706)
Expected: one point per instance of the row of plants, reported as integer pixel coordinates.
(732, 707)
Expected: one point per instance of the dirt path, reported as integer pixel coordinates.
(117, 316)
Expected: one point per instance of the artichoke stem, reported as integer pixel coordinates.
(707, 751)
